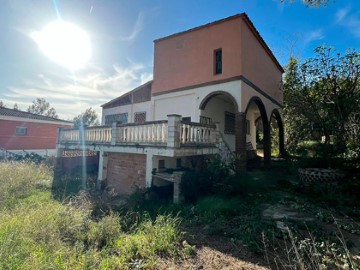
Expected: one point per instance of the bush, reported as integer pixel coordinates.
(18, 180)
(211, 179)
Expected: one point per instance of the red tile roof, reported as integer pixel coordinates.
(21, 114)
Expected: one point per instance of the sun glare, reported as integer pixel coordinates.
(64, 43)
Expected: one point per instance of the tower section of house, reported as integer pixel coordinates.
(23, 132)
(216, 73)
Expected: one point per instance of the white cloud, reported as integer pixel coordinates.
(138, 27)
(313, 36)
(350, 20)
(71, 95)
(340, 15)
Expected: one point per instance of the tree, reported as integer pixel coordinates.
(88, 118)
(311, 3)
(321, 97)
(42, 107)
(2, 104)
(16, 107)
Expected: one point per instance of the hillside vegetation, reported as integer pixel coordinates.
(38, 232)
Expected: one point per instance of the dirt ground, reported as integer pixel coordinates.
(216, 252)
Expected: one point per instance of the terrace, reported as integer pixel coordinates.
(171, 137)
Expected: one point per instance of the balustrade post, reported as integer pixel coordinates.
(174, 130)
(113, 133)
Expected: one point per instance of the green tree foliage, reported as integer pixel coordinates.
(2, 104)
(88, 118)
(42, 107)
(322, 98)
(16, 107)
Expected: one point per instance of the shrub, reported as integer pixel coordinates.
(18, 180)
(213, 178)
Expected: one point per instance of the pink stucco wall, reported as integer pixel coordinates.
(257, 65)
(187, 59)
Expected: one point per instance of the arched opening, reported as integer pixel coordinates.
(277, 134)
(220, 107)
(258, 141)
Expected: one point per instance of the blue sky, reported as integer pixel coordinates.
(122, 34)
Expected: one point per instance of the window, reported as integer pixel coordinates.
(218, 61)
(205, 120)
(178, 163)
(121, 118)
(21, 131)
(229, 123)
(247, 127)
(139, 117)
(186, 120)
(161, 164)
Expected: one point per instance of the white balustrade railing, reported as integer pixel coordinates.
(147, 133)
(196, 133)
(69, 135)
(155, 132)
(100, 134)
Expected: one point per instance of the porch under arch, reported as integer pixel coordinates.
(258, 128)
(220, 108)
(277, 125)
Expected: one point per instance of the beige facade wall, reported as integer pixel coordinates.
(130, 109)
(126, 172)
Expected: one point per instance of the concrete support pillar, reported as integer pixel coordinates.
(102, 173)
(267, 144)
(174, 130)
(281, 141)
(113, 133)
(176, 198)
(176, 180)
(149, 168)
(240, 141)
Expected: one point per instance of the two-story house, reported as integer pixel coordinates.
(213, 86)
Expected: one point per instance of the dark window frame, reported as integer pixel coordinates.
(229, 123)
(111, 118)
(218, 67)
(137, 114)
(17, 133)
(248, 131)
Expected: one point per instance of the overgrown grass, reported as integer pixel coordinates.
(38, 232)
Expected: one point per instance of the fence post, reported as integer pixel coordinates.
(174, 130)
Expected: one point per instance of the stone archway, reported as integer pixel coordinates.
(221, 107)
(276, 117)
(255, 109)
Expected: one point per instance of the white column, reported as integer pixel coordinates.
(102, 173)
(149, 167)
(174, 130)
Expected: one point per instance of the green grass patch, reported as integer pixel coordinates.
(38, 232)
